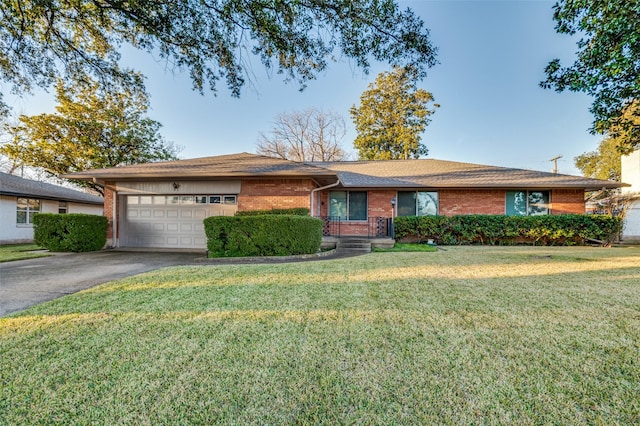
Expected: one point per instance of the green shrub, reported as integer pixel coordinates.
(296, 211)
(265, 235)
(498, 229)
(70, 232)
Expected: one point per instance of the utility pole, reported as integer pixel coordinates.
(555, 163)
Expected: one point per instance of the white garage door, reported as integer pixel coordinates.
(631, 228)
(170, 221)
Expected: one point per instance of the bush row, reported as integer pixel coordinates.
(266, 235)
(297, 211)
(70, 232)
(505, 230)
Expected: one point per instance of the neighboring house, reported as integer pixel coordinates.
(164, 204)
(21, 198)
(631, 175)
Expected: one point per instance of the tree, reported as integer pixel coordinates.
(391, 117)
(212, 39)
(309, 135)
(603, 163)
(607, 66)
(92, 128)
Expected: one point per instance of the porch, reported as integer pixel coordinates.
(375, 230)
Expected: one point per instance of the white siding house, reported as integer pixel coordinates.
(631, 175)
(21, 198)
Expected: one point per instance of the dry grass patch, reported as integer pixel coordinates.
(474, 335)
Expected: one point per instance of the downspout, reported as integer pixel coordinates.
(313, 191)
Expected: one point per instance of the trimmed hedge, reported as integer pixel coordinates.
(296, 211)
(265, 235)
(505, 230)
(70, 232)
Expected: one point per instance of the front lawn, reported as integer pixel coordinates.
(20, 251)
(404, 247)
(473, 335)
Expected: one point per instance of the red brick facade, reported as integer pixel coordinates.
(108, 209)
(567, 201)
(457, 202)
(264, 194)
(471, 201)
(274, 194)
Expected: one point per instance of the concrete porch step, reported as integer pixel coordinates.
(353, 246)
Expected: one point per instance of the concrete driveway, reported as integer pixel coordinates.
(25, 283)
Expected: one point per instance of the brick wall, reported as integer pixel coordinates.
(274, 194)
(380, 203)
(471, 201)
(109, 191)
(567, 201)
(288, 193)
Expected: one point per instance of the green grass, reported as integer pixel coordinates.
(403, 247)
(473, 335)
(20, 251)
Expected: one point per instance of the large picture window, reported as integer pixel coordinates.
(417, 203)
(527, 203)
(349, 205)
(26, 208)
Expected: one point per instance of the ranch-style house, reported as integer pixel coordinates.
(162, 205)
(21, 199)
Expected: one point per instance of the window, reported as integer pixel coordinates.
(62, 207)
(26, 208)
(527, 203)
(182, 199)
(420, 203)
(350, 205)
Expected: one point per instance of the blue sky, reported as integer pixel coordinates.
(492, 56)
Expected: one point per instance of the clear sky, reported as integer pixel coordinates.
(492, 56)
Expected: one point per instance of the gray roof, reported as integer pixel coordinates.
(20, 187)
(428, 173)
(423, 173)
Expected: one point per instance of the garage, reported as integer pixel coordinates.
(631, 229)
(171, 221)
(170, 214)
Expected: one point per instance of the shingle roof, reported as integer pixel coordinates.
(233, 165)
(428, 173)
(425, 173)
(20, 187)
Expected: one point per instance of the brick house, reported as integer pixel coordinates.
(164, 204)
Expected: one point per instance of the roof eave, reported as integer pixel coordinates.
(50, 197)
(155, 176)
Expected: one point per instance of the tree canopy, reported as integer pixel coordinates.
(309, 135)
(607, 64)
(214, 40)
(92, 128)
(392, 115)
(603, 163)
